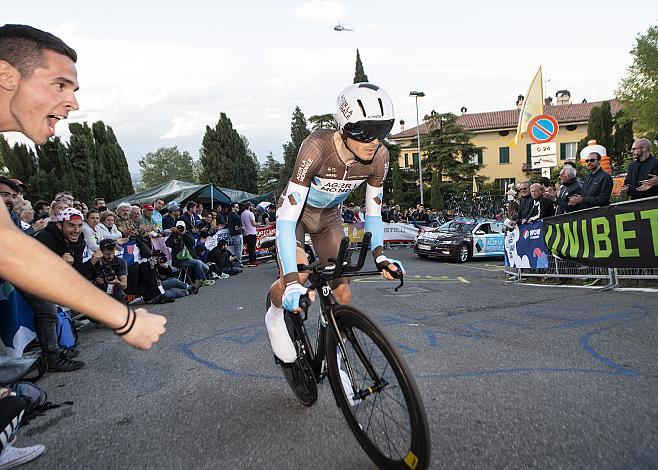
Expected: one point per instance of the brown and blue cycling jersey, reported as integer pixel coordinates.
(320, 182)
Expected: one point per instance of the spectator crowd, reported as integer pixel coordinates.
(173, 260)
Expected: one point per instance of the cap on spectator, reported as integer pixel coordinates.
(107, 244)
(180, 223)
(148, 207)
(173, 206)
(69, 214)
(24, 187)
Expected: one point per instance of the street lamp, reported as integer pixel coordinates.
(418, 94)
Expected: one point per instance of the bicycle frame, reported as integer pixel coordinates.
(320, 280)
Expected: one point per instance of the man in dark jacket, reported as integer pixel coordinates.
(570, 187)
(541, 207)
(223, 259)
(183, 255)
(64, 238)
(597, 186)
(525, 202)
(172, 216)
(641, 170)
(235, 231)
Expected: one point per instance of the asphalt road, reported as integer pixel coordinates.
(512, 376)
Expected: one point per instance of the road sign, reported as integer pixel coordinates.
(544, 161)
(538, 150)
(546, 172)
(543, 128)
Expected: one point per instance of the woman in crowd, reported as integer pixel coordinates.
(91, 231)
(56, 207)
(108, 229)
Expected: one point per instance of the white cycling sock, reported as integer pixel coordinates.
(279, 338)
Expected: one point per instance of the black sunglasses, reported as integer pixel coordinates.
(367, 131)
(592, 160)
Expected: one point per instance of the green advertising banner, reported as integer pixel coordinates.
(623, 235)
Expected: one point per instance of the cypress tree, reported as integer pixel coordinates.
(298, 132)
(20, 161)
(359, 75)
(53, 175)
(82, 153)
(221, 153)
(120, 163)
(248, 169)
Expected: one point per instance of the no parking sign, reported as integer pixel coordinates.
(542, 128)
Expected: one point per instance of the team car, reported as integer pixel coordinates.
(461, 239)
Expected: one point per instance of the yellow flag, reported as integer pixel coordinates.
(533, 105)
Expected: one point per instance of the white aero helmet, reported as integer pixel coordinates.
(364, 112)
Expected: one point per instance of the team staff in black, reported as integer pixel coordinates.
(641, 170)
(597, 186)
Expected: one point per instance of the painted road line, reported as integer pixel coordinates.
(417, 278)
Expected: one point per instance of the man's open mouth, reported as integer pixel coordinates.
(53, 119)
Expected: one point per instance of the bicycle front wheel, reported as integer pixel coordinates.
(386, 414)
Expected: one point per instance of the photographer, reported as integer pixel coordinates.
(158, 282)
(110, 273)
(181, 245)
(224, 260)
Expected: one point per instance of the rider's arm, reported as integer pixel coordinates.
(374, 199)
(291, 205)
(374, 223)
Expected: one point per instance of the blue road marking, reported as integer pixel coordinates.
(246, 336)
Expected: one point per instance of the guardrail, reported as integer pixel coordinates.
(563, 269)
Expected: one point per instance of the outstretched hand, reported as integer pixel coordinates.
(147, 329)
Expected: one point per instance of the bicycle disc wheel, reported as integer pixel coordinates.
(299, 374)
(389, 419)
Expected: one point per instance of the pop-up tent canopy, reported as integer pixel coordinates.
(180, 191)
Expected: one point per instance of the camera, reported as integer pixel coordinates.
(106, 273)
(158, 259)
(180, 229)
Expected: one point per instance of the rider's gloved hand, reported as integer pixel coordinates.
(384, 265)
(291, 296)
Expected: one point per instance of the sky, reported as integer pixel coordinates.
(159, 71)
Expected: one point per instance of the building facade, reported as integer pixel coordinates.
(494, 131)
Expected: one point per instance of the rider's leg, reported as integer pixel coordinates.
(276, 326)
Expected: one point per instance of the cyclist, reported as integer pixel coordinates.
(330, 165)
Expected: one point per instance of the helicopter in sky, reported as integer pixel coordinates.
(340, 27)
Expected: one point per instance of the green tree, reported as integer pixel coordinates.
(4, 151)
(53, 176)
(82, 155)
(197, 170)
(322, 121)
(449, 151)
(268, 175)
(599, 128)
(20, 161)
(224, 157)
(165, 164)
(638, 91)
(393, 185)
(111, 172)
(436, 198)
(249, 168)
(623, 139)
(359, 75)
(298, 132)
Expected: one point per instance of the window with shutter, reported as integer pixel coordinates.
(503, 154)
